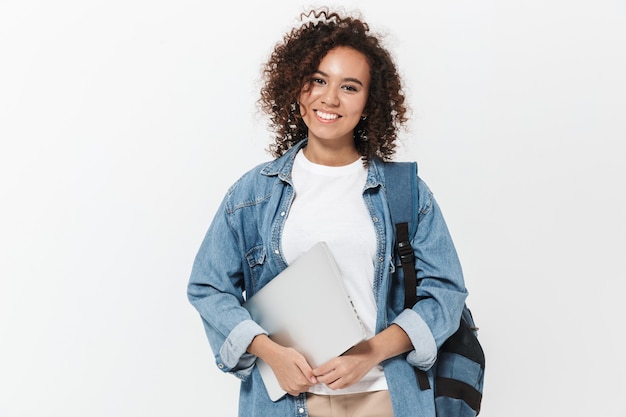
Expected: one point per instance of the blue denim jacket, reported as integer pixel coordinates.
(242, 252)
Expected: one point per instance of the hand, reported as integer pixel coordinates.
(293, 372)
(348, 369)
(352, 366)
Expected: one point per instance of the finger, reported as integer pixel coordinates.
(297, 387)
(329, 377)
(337, 384)
(325, 368)
(307, 371)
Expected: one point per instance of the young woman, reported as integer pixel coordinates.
(335, 100)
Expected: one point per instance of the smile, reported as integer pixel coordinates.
(326, 116)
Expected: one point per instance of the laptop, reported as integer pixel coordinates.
(306, 307)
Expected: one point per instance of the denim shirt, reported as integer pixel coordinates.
(241, 252)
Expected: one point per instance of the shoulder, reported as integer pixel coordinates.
(261, 179)
(425, 196)
(406, 175)
(249, 178)
(251, 188)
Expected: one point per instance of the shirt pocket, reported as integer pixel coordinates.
(256, 259)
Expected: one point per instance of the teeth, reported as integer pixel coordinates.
(327, 116)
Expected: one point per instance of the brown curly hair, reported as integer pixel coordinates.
(289, 70)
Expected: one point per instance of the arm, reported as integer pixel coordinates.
(441, 291)
(215, 289)
(422, 329)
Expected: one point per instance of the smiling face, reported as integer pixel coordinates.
(332, 103)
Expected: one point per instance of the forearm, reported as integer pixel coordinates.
(390, 342)
(263, 347)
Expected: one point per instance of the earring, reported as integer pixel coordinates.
(361, 134)
(291, 121)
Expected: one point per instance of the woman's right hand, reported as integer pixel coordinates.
(293, 372)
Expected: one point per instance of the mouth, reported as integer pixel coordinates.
(326, 116)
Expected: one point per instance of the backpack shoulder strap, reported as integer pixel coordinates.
(401, 185)
(402, 195)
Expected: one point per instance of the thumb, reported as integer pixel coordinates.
(307, 371)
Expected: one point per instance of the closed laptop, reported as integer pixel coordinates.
(306, 307)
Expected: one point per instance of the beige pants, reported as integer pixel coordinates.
(367, 404)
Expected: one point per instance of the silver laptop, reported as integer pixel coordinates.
(306, 307)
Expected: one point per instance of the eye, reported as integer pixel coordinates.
(317, 80)
(350, 88)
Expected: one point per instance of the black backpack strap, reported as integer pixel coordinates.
(402, 196)
(407, 258)
(401, 186)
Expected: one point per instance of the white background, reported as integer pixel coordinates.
(122, 123)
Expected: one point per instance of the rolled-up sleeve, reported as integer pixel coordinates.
(424, 353)
(233, 357)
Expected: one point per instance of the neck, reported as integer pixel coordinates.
(330, 155)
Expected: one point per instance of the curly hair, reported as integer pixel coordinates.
(292, 62)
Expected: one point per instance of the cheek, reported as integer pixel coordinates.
(302, 105)
(308, 96)
(305, 100)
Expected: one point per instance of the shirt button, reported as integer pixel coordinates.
(300, 410)
(282, 213)
(276, 251)
(221, 366)
(380, 259)
(375, 219)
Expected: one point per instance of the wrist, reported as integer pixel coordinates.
(261, 344)
(390, 342)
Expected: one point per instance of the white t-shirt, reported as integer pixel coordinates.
(329, 206)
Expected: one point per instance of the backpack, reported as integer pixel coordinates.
(460, 367)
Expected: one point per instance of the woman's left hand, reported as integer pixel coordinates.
(349, 368)
(345, 370)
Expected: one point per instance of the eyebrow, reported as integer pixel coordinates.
(350, 79)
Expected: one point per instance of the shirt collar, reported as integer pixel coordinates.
(283, 165)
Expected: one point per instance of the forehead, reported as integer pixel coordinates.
(344, 61)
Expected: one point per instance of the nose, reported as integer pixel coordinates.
(331, 98)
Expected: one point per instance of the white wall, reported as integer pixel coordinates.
(122, 123)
